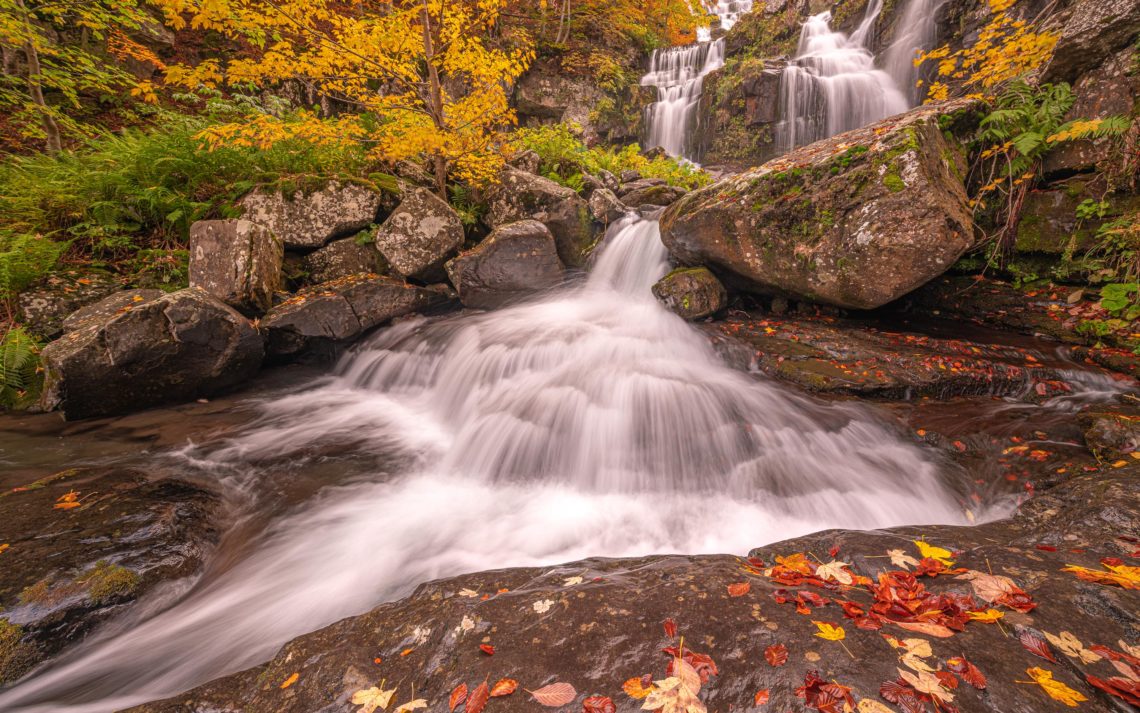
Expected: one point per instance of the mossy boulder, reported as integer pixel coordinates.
(691, 293)
(520, 195)
(856, 221)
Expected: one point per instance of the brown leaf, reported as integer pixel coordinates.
(968, 671)
(458, 695)
(776, 655)
(555, 695)
(598, 704)
(926, 627)
(1035, 645)
(761, 697)
(504, 687)
(477, 701)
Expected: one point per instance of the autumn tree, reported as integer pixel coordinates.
(421, 76)
(57, 51)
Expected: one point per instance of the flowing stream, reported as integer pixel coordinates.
(589, 422)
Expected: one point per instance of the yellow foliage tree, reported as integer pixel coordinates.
(422, 75)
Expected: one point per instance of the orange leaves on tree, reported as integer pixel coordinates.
(477, 700)
(555, 695)
(458, 695)
(504, 687)
(761, 697)
(739, 589)
(598, 704)
(1118, 574)
(776, 655)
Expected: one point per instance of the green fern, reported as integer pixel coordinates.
(24, 259)
(20, 378)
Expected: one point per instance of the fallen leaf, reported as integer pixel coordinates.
(1117, 575)
(369, 699)
(572, 581)
(938, 554)
(487, 649)
(970, 673)
(543, 606)
(671, 695)
(739, 589)
(761, 697)
(1055, 689)
(776, 655)
(412, 705)
(990, 587)
(670, 628)
(1035, 645)
(988, 616)
(458, 695)
(504, 687)
(1072, 647)
(915, 663)
(927, 683)
(290, 681)
(555, 695)
(468, 593)
(598, 704)
(834, 571)
(635, 689)
(3, 547)
(1125, 689)
(868, 705)
(902, 559)
(926, 627)
(477, 701)
(829, 631)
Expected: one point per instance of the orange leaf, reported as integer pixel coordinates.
(458, 695)
(598, 704)
(739, 589)
(487, 649)
(776, 655)
(504, 687)
(669, 624)
(555, 695)
(634, 688)
(761, 697)
(67, 505)
(478, 699)
(928, 628)
(290, 681)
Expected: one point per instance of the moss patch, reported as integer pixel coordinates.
(14, 656)
(108, 581)
(894, 183)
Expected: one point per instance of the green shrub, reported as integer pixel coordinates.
(564, 158)
(20, 378)
(24, 258)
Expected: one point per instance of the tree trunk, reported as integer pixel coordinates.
(435, 102)
(35, 89)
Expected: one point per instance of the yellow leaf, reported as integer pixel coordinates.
(290, 681)
(830, 631)
(4, 546)
(1055, 689)
(935, 553)
(988, 616)
(369, 699)
(412, 705)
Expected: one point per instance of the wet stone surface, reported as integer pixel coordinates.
(79, 546)
(600, 625)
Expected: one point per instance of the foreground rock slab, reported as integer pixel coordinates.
(181, 346)
(857, 220)
(67, 569)
(598, 624)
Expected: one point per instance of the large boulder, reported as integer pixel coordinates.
(237, 261)
(597, 624)
(44, 306)
(342, 258)
(1091, 32)
(520, 195)
(420, 235)
(857, 220)
(65, 571)
(109, 307)
(691, 293)
(318, 319)
(660, 195)
(309, 219)
(515, 260)
(606, 207)
(182, 346)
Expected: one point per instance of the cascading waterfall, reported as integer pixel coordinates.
(678, 73)
(832, 85)
(590, 422)
(917, 30)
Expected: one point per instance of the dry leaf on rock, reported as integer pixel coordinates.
(1072, 647)
(369, 699)
(555, 695)
(1055, 689)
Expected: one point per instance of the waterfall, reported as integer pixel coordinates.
(678, 73)
(832, 85)
(587, 422)
(916, 30)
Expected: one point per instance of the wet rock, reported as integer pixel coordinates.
(309, 219)
(520, 195)
(44, 306)
(1112, 434)
(605, 207)
(653, 195)
(109, 307)
(420, 236)
(691, 293)
(342, 258)
(64, 571)
(1093, 31)
(597, 623)
(516, 260)
(317, 319)
(856, 221)
(237, 261)
(182, 346)
(1049, 223)
(829, 355)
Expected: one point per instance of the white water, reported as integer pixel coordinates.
(832, 84)
(916, 30)
(591, 422)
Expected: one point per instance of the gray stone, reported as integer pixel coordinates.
(856, 221)
(1092, 32)
(629, 176)
(520, 195)
(691, 293)
(336, 312)
(661, 195)
(528, 161)
(420, 236)
(182, 346)
(108, 307)
(307, 220)
(606, 207)
(237, 261)
(44, 306)
(514, 261)
(342, 258)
